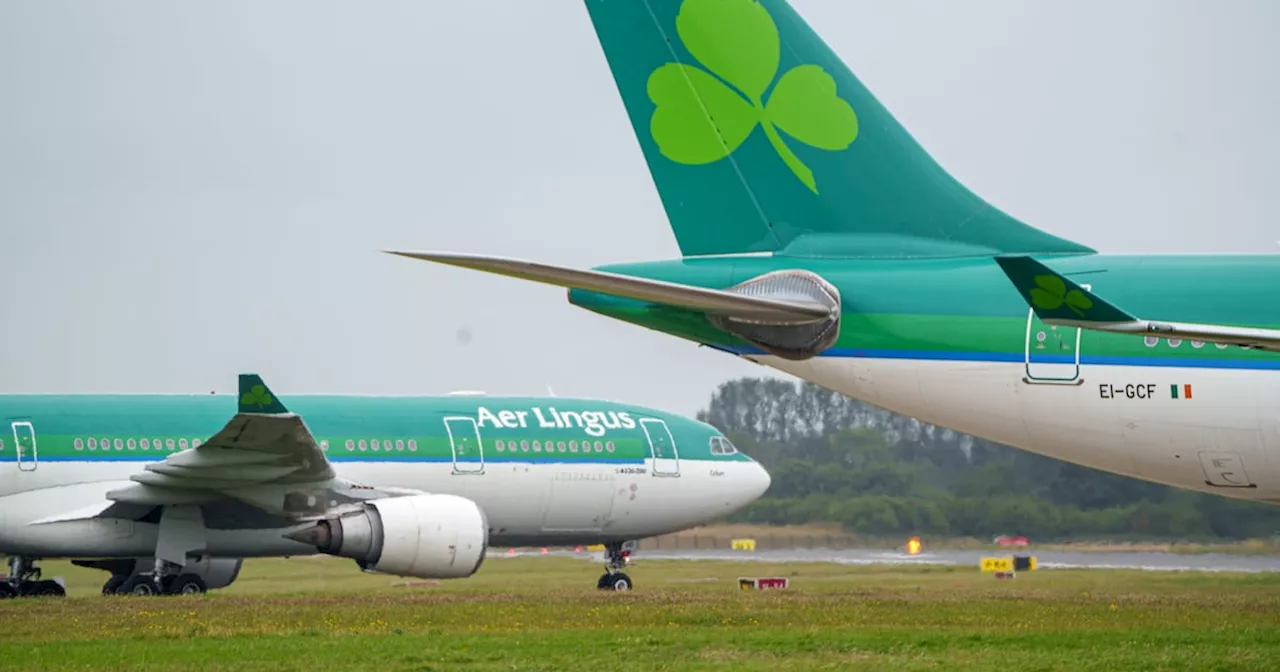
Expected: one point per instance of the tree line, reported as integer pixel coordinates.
(836, 459)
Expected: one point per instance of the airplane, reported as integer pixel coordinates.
(168, 495)
(820, 239)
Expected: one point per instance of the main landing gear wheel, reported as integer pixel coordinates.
(145, 585)
(614, 578)
(24, 581)
(140, 585)
(114, 584)
(47, 589)
(186, 584)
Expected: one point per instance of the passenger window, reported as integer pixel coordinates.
(524, 446)
(499, 445)
(560, 446)
(537, 446)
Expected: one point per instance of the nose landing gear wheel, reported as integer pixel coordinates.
(617, 581)
(618, 554)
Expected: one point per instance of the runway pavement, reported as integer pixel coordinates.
(1045, 559)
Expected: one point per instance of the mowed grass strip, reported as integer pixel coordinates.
(543, 613)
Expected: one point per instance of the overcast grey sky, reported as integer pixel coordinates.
(191, 190)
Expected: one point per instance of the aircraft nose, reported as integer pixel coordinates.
(757, 482)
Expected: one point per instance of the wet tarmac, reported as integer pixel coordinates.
(1045, 559)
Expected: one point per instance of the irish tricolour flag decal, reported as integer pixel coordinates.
(1180, 391)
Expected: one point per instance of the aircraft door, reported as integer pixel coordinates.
(24, 444)
(666, 459)
(1052, 353)
(468, 452)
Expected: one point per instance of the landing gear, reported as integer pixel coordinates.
(114, 584)
(158, 582)
(614, 578)
(24, 581)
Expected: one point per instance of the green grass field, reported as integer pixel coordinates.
(544, 614)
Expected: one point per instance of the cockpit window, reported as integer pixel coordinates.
(721, 446)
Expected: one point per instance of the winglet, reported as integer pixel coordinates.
(1055, 298)
(256, 397)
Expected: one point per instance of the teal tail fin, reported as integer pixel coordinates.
(1056, 298)
(256, 397)
(759, 139)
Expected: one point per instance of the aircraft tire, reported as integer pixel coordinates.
(618, 581)
(7, 592)
(114, 584)
(47, 589)
(186, 584)
(140, 585)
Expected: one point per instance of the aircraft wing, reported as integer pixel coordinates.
(713, 301)
(1056, 299)
(264, 456)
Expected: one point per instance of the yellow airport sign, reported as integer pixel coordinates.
(743, 544)
(595, 548)
(1017, 563)
(997, 564)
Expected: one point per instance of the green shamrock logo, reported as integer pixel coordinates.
(256, 396)
(737, 41)
(1051, 293)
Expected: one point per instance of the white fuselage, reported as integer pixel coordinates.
(526, 504)
(1224, 439)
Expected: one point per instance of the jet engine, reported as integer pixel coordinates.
(795, 340)
(425, 536)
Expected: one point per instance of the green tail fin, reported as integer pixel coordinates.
(759, 138)
(1056, 298)
(256, 397)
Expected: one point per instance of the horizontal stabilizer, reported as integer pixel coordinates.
(712, 301)
(1057, 300)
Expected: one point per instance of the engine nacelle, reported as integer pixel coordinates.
(424, 536)
(795, 340)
